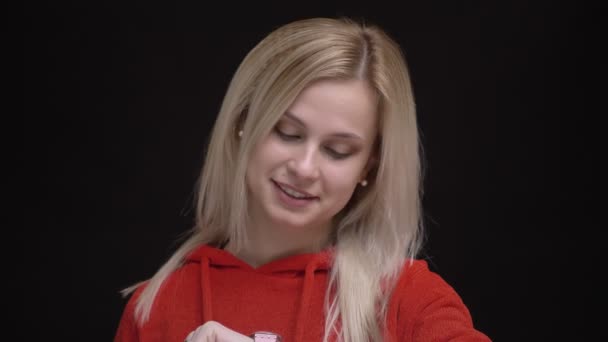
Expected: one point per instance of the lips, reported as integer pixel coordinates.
(293, 191)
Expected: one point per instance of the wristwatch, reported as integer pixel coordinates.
(265, 336)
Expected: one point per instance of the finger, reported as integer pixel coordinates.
(215, 332)
(229, 335)
(189, 337)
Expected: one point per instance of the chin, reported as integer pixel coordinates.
(290, 222)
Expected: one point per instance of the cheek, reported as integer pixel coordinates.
(342, 180)
(265, 155)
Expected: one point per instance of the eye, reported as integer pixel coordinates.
(286, 136)
(335, 154)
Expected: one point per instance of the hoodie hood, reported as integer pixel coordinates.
(302, 266)
(287, 297)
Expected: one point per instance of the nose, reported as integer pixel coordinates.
(304, 163)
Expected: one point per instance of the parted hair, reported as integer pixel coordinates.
(381, 227)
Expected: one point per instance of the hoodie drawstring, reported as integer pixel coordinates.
(309, 278)
(312, 264)
(206, 289)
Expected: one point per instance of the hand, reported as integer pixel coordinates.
(215, 332)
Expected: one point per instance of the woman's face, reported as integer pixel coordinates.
(305, 171)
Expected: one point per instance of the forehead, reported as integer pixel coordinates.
(338, 106)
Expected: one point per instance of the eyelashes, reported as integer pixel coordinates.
(285, 136)
(296, 137)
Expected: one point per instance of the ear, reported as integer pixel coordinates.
(372, 162)
(240, 122)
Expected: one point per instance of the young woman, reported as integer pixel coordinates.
(308, 217)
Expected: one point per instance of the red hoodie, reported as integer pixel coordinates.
(287, 297)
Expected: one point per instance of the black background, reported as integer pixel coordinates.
(119, 99)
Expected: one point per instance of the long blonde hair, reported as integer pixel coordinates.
(381, 226)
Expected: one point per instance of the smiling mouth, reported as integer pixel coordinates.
(289, 191)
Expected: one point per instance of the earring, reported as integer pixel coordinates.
(240, 133)
(364, 182)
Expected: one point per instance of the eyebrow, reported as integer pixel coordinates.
(346, 135)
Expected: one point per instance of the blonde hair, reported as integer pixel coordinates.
(381, 226)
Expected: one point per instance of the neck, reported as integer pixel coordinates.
(268, 242)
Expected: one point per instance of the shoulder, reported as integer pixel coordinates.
(181, 289)
(180, 285)
(419, 289)
(425, 307)
(127, 330)
(417, 283)
(177, 300)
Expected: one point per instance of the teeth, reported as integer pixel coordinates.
(293, 193)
